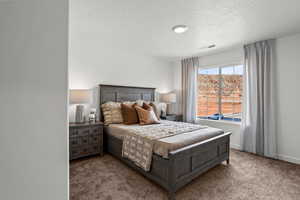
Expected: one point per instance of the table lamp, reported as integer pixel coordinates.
(169, 98)
(80, 97)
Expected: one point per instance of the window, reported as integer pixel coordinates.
(220, 93)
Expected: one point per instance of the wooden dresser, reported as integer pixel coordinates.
(85, 139)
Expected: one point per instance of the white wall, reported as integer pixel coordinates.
(33, 85)
(118, 68)
(233, 127)
(177, 109)
(228, 57)
(288, 97)
(105, 55)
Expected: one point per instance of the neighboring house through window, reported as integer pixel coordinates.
(220, 92)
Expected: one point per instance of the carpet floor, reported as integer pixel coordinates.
(247, 177)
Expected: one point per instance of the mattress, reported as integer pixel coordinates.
(163, 146)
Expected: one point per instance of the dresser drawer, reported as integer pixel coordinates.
(75, 132)
(95, 149)
(80, 152)
(95, 139)
(74, 153)
(75, 142)
(84, 131)
(79, 141)
(96, 130)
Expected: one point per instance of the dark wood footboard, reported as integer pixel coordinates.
(183, 165)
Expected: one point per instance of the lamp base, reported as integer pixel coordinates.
(169, 110)
(79, 117)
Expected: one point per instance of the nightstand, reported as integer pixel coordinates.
(173, 117)
(85, 139)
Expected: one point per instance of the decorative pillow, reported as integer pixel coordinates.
(129, 114)
(159, 109)
(146, 116)
(140, 102)
(112, 113)
(162, 108)
(156, 110)
(147, 106)
(129, 102)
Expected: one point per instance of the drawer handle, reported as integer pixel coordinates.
(85, 140)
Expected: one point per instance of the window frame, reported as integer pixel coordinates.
(219, 67)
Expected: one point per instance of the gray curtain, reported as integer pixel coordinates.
(189, 88)
(258, 122)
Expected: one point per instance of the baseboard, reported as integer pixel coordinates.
(280, 156)
(289, 159)
(235, 146)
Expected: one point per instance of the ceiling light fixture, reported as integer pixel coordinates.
(180, 29)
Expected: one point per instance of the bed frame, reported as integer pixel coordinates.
(183, 165)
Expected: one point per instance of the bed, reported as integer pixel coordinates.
(184, 161)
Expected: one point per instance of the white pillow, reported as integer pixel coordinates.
(140, 102)
(161, 107)
(130, 103)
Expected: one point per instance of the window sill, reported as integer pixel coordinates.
(219, 121)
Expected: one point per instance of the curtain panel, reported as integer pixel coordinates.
(189, 88)
(258, 121)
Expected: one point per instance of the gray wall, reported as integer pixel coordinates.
(33, 100)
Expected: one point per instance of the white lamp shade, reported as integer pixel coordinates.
(80, 96)
(169, 98)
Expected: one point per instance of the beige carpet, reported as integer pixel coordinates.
(247, 177)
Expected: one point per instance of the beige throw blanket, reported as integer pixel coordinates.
(138, 145)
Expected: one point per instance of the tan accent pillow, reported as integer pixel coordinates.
(112, 113)
(129, 114)
(146, 116)
(153, 106)
(146, 106)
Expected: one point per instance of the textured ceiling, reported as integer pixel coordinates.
(145, 25)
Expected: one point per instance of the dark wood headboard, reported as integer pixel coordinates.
(119, 93)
